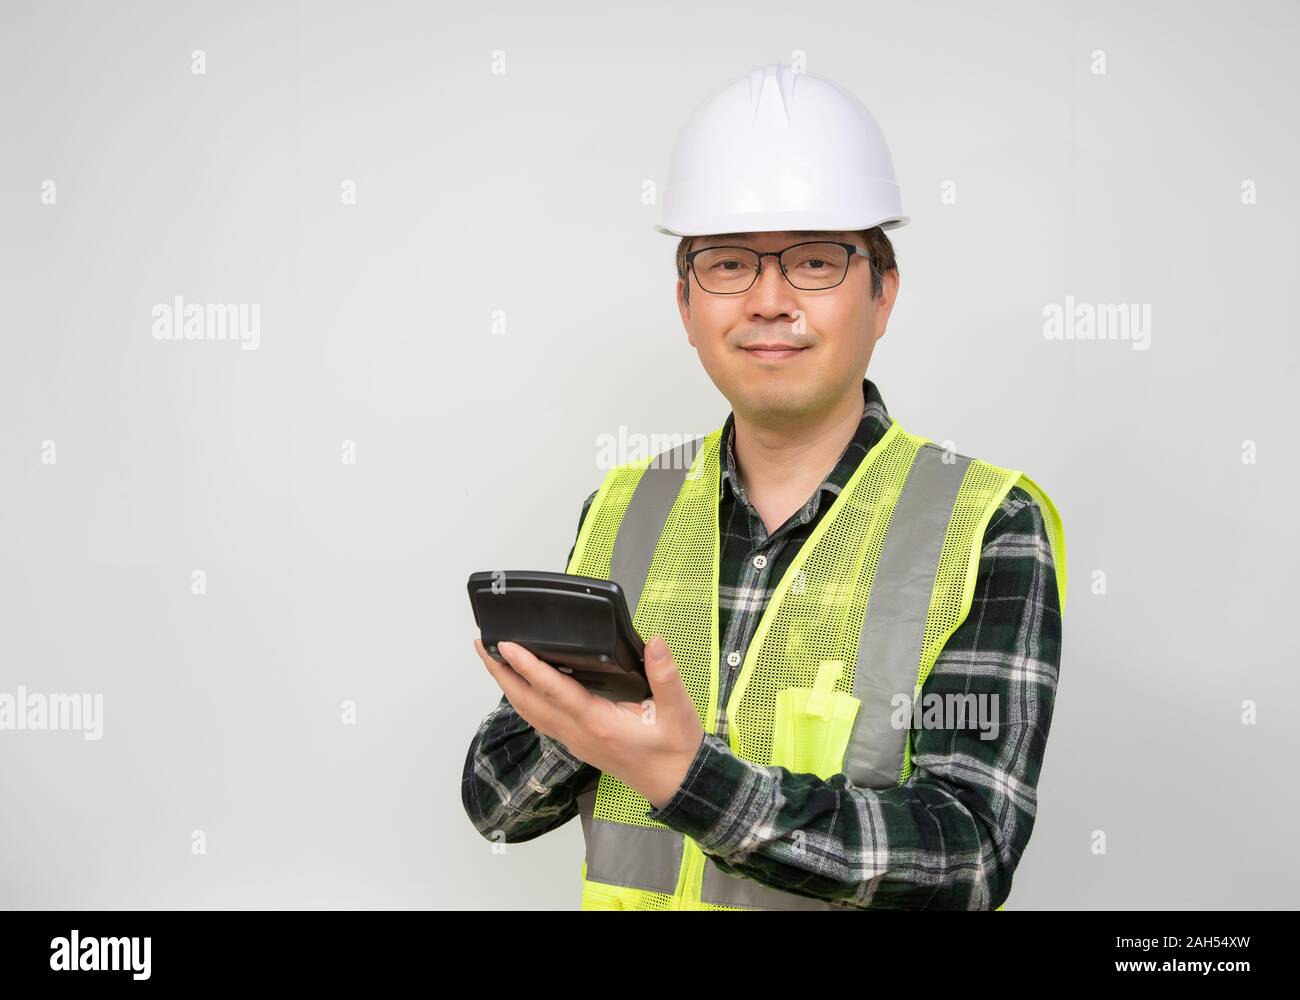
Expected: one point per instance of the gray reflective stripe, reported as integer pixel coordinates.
(643, 523)
(641, 857)
(728, 890)
(889, 654)
(621, 853)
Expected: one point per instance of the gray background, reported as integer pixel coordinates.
(477, 193)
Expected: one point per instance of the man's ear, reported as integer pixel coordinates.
(684, 308)
(885, 304)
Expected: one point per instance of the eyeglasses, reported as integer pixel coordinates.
(807, 266)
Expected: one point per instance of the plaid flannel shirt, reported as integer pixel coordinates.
(950, 837)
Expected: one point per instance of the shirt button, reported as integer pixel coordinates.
(733, 658)
(760, 562)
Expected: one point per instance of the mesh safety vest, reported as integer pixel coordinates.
(860, 615)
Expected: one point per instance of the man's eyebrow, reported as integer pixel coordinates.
(804, 233)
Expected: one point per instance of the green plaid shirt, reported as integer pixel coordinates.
(950, 837)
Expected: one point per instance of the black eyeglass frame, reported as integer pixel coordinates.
(852, 248)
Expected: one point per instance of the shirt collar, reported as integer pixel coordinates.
(875, 422)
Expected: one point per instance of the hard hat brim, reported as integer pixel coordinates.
(786, 226)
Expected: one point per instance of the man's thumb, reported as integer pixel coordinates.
(659, 659)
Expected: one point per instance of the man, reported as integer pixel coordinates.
(813, 580)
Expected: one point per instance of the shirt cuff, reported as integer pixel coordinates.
(710, 786)
(557, 755)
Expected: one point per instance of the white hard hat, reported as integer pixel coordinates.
(780, 150)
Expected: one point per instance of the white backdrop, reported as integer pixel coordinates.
(428, 383)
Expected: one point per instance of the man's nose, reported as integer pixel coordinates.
(772, 294)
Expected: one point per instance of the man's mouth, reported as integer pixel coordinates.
(774, 351)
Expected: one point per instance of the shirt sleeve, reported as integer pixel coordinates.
(952, 835)
(517, 783)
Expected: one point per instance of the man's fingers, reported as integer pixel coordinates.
(545, 680)
(516, 689)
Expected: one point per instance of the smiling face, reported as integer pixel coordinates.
(780, 354)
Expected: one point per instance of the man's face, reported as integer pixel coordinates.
(830, 332)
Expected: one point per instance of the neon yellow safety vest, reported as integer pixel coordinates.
(860, 615)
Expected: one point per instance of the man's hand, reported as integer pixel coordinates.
(647, 745)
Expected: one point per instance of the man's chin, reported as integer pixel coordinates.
(775, 397)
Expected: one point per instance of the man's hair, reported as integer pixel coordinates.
(878, 245)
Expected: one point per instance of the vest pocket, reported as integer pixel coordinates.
(596, 897)
(813, 725)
